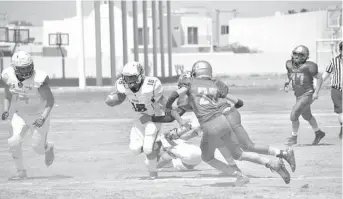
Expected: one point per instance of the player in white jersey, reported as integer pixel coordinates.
(182, 154)
(145, 94)
(28, 102)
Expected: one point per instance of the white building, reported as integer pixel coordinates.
(191, 33)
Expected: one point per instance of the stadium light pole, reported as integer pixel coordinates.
(112, 41)
(81, 51)
(170, 38)
(135, 30)
(154, 35)
(146, 37)
(161, 19)
(97, 21)
(124, 25)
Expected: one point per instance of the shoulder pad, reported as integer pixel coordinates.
(40, 77)
(310, 64)
(289, 63)
(6, 73)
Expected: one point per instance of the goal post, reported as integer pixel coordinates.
(325, 50)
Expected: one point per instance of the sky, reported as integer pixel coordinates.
(37, 11)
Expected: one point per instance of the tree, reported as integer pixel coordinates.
(292, 11)
(304, 10)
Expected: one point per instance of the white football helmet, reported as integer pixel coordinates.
(23, 65)
(133, 75)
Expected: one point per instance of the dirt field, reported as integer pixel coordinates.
(93, 159)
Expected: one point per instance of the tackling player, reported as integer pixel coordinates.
(203, 93)
(28, 102)
(301, 73)
(145, 94)
(183, 155)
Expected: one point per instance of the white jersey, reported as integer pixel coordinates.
(146, 100)
(25, 95)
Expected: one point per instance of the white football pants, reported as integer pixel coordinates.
(21, 127)
(143, 139)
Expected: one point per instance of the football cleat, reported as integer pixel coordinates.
(319, 135)
(153, 175)
(279, 167)
(19, 175)
(49, 156)
(290, 158)
(241, 179)
(291, 140)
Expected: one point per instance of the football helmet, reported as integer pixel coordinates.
(133, 75)
(23, 65)
(202, 69)
(300, 54)
(187, 74)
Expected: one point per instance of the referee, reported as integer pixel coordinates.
(335, 69)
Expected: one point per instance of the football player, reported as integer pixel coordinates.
(28, 102)
(203, 93)
(145, 94)
(301, 73)
(183, 155)
(234, 118)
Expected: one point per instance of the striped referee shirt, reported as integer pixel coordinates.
(335, 68)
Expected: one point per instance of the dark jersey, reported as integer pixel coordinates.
(184, 104)
(203, 96)
(302, 77)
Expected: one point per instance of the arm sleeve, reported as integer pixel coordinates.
(167, 118)
(223, 89)
(313, 69)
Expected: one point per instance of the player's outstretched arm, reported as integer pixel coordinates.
(47, 95)
(224, 93)
(174, 95)
(168, 118)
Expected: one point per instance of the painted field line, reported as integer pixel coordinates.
(212, 179)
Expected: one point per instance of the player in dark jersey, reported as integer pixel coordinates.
(301, 73)
(203, 93)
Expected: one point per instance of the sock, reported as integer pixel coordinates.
(294, 134)
(273, 151)
(19, 163)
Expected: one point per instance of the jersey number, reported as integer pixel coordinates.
(298, 78)
(139, 107)
(203, 92)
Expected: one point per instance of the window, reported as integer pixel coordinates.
(141, 36)
(192, 35)
(225, 30)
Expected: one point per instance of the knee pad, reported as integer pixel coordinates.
(150, 137)
(38, 148)
(15, 147)
(207, 157)
(136, 149)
